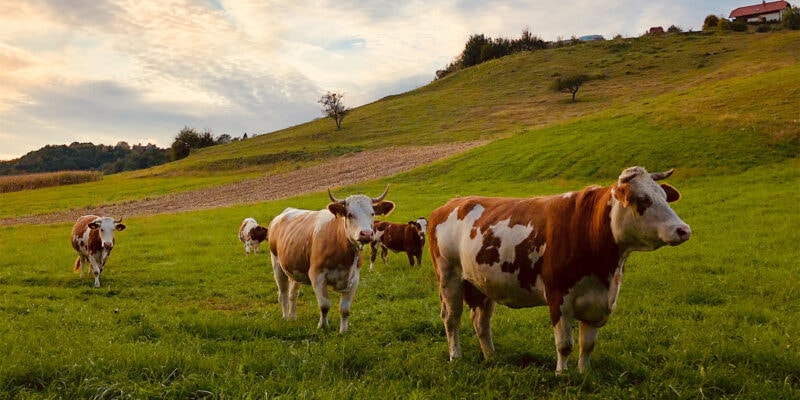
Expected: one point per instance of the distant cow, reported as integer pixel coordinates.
(252, 234)
(323, 248)
(409, 238)
(423, 223)
(93, 239)
(566, 252)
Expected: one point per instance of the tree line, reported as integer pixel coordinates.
(111, 159)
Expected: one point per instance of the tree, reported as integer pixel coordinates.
(569, 84)
(710, 22)
(791, 18)
(333, 107)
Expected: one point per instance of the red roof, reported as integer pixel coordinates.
(758, 9)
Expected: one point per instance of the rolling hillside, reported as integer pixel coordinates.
(184, 313)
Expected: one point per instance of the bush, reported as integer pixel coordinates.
(762, 28)
(710, 23)
(674, 29)
(723, 24)
(739, 26)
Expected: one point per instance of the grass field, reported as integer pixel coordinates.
(184, 313)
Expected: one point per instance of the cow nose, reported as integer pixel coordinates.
(682, 234)
(108, 245)
(365, 236)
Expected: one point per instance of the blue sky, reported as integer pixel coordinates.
(105, 71)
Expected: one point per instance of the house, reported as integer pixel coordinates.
(766, 11)
(655, 30)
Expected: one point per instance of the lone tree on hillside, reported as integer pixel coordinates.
(333, 107)
(569, 84)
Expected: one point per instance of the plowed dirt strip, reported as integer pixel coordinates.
(342, 171)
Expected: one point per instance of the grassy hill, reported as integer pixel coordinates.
(183, 313)
(692, 91)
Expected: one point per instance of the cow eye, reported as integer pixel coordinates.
(349, 215)
(644, 201)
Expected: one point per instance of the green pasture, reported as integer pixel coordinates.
(184, 313)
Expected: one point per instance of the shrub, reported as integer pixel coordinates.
(723, 24)
(739, 26)
(710, 23)
(791, 18)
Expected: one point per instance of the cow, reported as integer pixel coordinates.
(566, 252)
(252, 234)
(409, 238)
(323, 248)
(93, 239)
(423, 223)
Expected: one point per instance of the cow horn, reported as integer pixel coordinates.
(334, 199)
(657, 176)
(118, 221)
(379, 198)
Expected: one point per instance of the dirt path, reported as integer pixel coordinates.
(342, 171)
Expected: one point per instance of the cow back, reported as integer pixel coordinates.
(84, 239)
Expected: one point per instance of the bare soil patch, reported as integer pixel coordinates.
(341, 171)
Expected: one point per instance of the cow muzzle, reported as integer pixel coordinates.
(108, 245)
(365, 236)
(679, 234)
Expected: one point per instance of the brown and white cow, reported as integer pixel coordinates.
(93, 239)
(566, 252)
(323, 248)
(252, 234)
(409, 238)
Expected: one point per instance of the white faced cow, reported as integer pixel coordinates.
(93, 239)
(566, 252)
(252, 234)
(323, 248)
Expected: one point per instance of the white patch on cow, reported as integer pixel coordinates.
(455, 243)
(568, 195)
(615, 284)
(323, 217)
(590, 301)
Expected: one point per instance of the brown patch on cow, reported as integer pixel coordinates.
(472, 295)
(489, 253)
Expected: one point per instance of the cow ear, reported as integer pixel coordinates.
(337, 209)
(383, 208)
(94, 225)
(672, 193)
(622, 194)
(120, 227)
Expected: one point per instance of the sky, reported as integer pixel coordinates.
(105, 71)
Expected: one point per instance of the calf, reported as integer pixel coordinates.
(409, 238)
(93, 239)
(323, 248)
(566, 252)
(252, 234)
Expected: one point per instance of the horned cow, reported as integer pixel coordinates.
(93, 239)
(566, 252)
(323, 248)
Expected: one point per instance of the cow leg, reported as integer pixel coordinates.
(384, 254)
(294, 291)
(410, 259)
(347, 298)
(320, 285)
(374, 254)
(247, 246)
(481, 310)
(255, 247)
(588, 336)
(96, 269)
(282, 280)
(451, 295)
(563, 335)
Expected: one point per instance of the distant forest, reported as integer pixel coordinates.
(112, 159)
(87, 157)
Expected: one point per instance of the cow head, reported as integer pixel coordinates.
(105, 226)
(259, 233)
(359, 212)
(423, 224)
(641, 218)
(418, 229)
